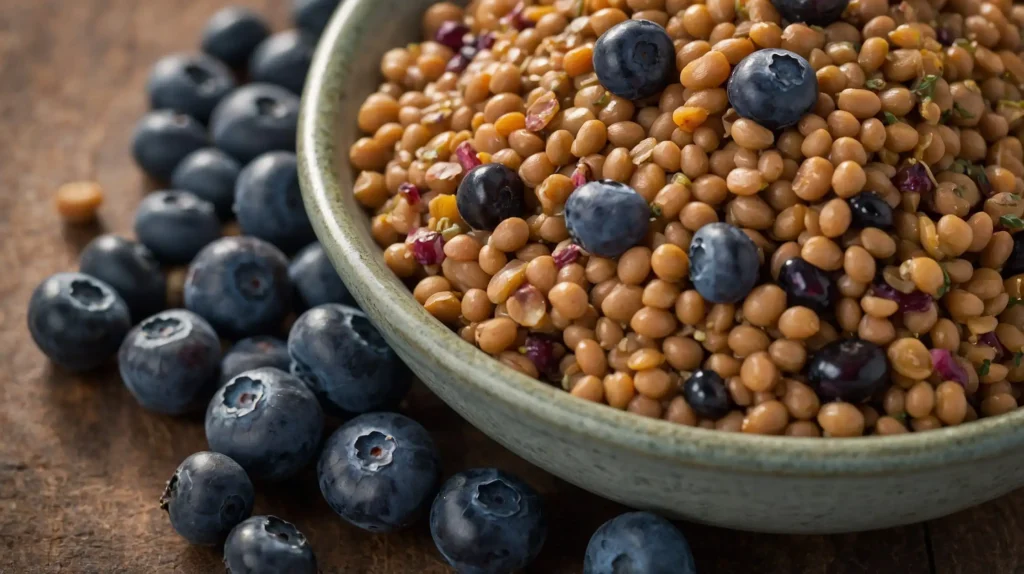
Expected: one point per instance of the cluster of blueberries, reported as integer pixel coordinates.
(228, 152)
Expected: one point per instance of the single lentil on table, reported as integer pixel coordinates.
(870, 156)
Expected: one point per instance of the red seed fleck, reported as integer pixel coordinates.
(467, 156)
(411, 193)
(567, 255)
(427, 246)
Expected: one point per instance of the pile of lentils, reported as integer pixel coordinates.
(785, 217)
(226, 303)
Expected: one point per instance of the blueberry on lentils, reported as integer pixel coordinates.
(77, 320)
(1015, 262)
(176, 225)
(851, 370)
(210, 174)
(283, 60)
(807, 286)
(131, 269)
(232, 34)
(868, 209)
(254, 120)
(267, 421)
(379, 471)
(724, 263)
(315, 279)
(345, 360)
(490, 194)
(485, 521)
(208, 495)
(241, 286)
(635, 59)
(811, 12)
(268, 202)
(253, 353)
(607, 217)
(268, 545)
(773, 87)
(638, 542)
(312, 15)
(706, 394)
(163, 138)
(190, 84)
(169, 362)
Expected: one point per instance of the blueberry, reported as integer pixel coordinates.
(283, 60)
(313, 15)
(268, 202)
(811, 12)
(255, 119)
(232, 34)
(162, 139)
(208, 495)
(78, 321)
(490, 194)
(807, 286)
(379, 471)
(485, 521)
(638, 542)
(176, 225)
(1015, 262)
(850, 370)
(315, 279)
(635, 59)
(868, 209)
(241, 286)
(268, 545)
(607, 217)
(169, 362)
(210, 174)
(706, 394)
(268, 421)
(253, 353)
(724, 263)
(130, 268)
(773, 87)
(190, 84)
(343, 358)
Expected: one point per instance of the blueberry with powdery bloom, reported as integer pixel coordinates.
(312, 16)
(724, 264)
(268, 202)
(316, 280)
(208, 495)
(1015, 262)
(635, 59)
(607, 217)
(851, 370)
(806, 285)
(268, 545)
(773, 87)
(176, 225)
(639, 542)
(490, 194)
(283, 60)
(255, 119)
(232, 34)
(163, 138)
(811, 12)
(191, 84)
(210, 175)
(267, 421)
(253, 353)
(131, 269)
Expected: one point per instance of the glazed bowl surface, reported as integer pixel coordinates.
(746, 482)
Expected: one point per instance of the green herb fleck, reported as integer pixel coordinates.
(926, 87)
(580, 7)
(961, 111)
(966, 45)
(656, 210)
(604, 99)
(984, 367)
(1014, 301)
(890, 118)
(1011, 221)
(946, 283)
(902, 417)
(945, 116)
(958, 190)
(1017, 357)
(1014, 197)
(875, 84)
(741, 9)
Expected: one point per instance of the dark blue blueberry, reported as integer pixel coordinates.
(638, 542)
(283, 60)
(163, 138)
(268, 421)
(773, 87)
(241, 286)
(210, 174)
(232, 34)
(169, 362)
(850, 370)
(78, 321)
(811, 12)
(724, 264)
(206, 497)
(344, 359)
(607, 217)
(255, 119)
(706, 394)
(315, 279)
(130, 269)
(490, 194)
(379, 471)
(485, 521)
(868, 209)
(190, 84)
(268, 545)
(635, 59)
(268, 202)
(253, 353)
(807, 286)
(176, 225)
(313, 15)
(1015, 262)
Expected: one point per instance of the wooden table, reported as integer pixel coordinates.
(82, 466)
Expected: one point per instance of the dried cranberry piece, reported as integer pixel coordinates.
(540, 350)
(411, 193)
(913, 178)
(452, 34)
(427, 246)
(567, 255)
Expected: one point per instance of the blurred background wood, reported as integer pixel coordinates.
(82, 467)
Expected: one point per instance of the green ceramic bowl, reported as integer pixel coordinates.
(770, 484)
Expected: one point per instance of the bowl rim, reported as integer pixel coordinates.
(545, 404)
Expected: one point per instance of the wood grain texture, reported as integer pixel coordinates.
(82, 467)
